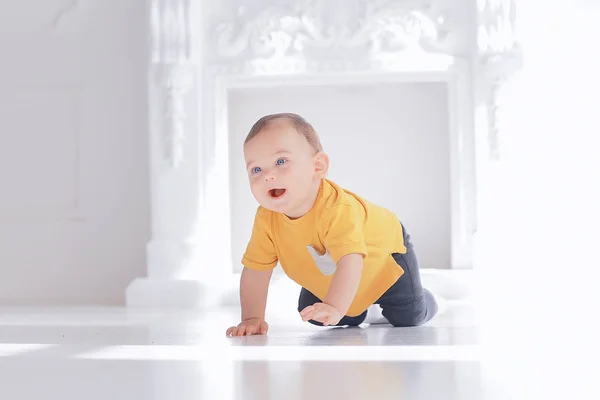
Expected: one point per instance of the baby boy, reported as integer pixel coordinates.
(352, 258)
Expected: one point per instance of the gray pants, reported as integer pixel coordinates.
(405, 303)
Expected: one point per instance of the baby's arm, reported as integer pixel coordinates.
(254, 286)
(344, 239)
(341, 292)
(345, 281)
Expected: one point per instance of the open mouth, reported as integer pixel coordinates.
(275, 193)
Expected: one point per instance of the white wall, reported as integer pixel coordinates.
(73, 150)
(388, 143)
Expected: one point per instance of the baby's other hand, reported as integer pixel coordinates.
(323, 313)
(252, 326)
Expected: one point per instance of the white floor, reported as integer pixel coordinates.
(73, 354)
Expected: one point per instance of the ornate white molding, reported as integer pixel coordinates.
(175, 81)
(317, 29)
(497, 75)
(496, 33)
(500, 57)
(173, 70)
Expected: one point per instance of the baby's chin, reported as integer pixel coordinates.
(275, 206)
(280, 205)
(290, 209)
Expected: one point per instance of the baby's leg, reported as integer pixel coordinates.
(308, 299)
(406, 303)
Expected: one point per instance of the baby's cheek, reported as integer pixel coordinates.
(255, 187)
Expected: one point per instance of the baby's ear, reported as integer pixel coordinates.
(321, 164)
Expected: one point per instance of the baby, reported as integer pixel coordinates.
(353, 259)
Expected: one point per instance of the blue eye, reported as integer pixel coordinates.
(256, 170)
(280, 161)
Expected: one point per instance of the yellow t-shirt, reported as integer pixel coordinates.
(339, 223)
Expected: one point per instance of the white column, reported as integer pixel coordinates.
(176, 183)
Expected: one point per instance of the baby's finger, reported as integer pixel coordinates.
(320, 316)
(309, 315)
(251, 330)
(241, 330)
(263, 328)
(307, 310)
(230, 330)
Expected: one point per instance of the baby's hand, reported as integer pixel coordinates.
(323, 313)
(252, 326)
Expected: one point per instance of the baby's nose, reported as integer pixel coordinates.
(269, 177)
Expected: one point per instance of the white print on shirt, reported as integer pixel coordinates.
(324, 262)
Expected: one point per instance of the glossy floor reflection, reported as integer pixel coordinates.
(94, 354)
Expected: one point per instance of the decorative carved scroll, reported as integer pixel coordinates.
(337, 26)
(174, 72)
(500, 58)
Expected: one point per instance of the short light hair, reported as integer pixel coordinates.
(299, 123)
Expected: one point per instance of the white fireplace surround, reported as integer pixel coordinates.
(313, 42)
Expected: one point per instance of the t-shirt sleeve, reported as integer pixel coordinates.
(343, 232)
(260, 252)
